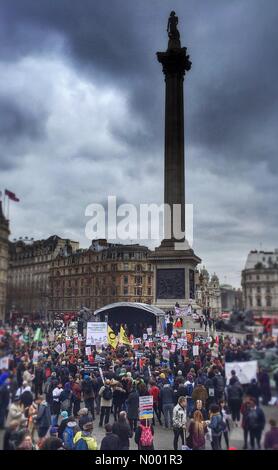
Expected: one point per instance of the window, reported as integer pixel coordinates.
(138, 268)
(258, 290)
(125, 279)
(138, 280)
(125, 266)
(149, 267)
(268, 301)
(125, 290)
(149, 279)
(258, 277)
(259, 302)
(149, 291)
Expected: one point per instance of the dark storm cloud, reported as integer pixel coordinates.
(231, 110)
(19, 125)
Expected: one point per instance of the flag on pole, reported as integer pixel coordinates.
(11, 195)
(112, 338)
(123, 336)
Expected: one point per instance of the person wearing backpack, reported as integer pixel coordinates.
(106, 395)
(179, 421)
(69, 433)
(83, 440)
(144, 435)
(255, 421)
(217, 426)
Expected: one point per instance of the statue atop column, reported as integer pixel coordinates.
(173, 32)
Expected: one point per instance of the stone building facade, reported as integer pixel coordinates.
(4, 260)
(29, 271)
(208, 292)
(102, 274)
(259, 281)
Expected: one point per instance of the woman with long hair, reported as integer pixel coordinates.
(197, 430)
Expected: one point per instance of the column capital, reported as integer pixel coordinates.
(175, 61)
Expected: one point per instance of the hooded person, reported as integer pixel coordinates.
(70, 430)
(63, 420)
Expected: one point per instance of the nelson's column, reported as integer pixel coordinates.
(174, 261)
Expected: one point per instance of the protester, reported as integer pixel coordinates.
(106, 395)
(271, 437)
(133, 408)
(111, 441)
(167, 400)
(179, 421)
(123, 430)
(43, 418)
(197, 430)
(83, 440)
(144, 435)
(235, 395)
(255, 421)
(216, 425)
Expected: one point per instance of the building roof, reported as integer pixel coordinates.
(266, 259)
(149, 308)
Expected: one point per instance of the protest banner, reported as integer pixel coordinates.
(96, 333)
(146, 407)
(275, 332)
(88, 351)
(64, 347)
(145, 336)
(166, 354)
(149, 331)
(173, 348)
(195, 350)
(245, 371)
(58, 349)
(4, 363)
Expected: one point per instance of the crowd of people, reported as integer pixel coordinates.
(54, 398)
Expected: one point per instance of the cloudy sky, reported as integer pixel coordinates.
(82, 113)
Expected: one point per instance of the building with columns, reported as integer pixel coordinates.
(208, 295)
(4, 261)
(29, 271)
(259, 280)
(103, 274)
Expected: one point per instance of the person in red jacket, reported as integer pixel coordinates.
(154, 392)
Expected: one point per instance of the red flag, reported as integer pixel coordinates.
(11, 195)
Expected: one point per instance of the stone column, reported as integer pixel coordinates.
(175, 63)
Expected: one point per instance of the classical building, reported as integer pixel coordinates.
(259, 281)
(208, 292)
(4, 257)
(231, 298)
(102, 274)
(29, 270)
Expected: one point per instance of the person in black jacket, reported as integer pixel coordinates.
(110, 441)
(122, 429)
(235, 395)
(253, 390)
(133, 408)
(255, 421)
